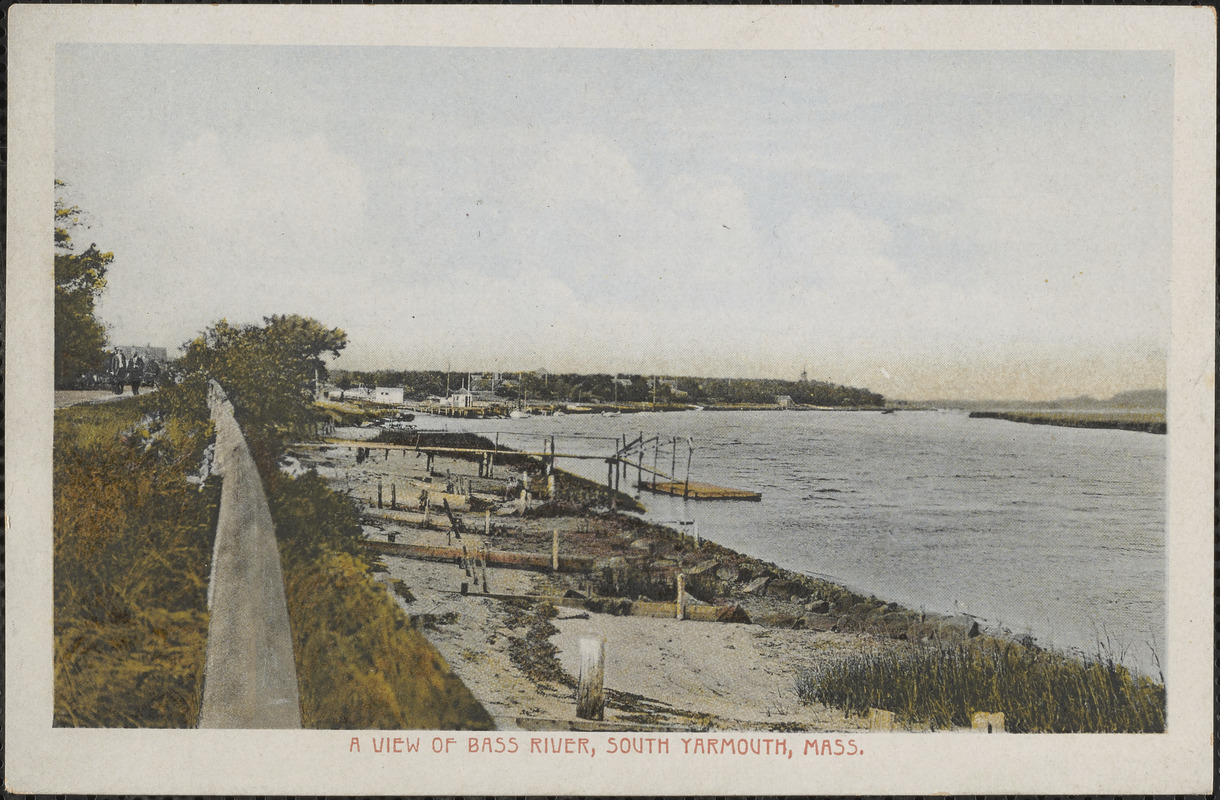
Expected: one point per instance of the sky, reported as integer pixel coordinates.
(970, 224)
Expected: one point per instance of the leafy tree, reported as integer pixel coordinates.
(79, 279)
(267, 370)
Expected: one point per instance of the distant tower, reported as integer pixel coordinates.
(805, 376)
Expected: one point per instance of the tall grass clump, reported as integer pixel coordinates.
(360, 663)
(132, 539)
(945, 684)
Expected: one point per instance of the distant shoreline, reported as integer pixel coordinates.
(1140, 422)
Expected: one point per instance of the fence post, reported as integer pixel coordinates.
(987, 722)
(590, 699)
(880, 720)
(681, 595)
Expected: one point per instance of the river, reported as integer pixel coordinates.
(1058, 533)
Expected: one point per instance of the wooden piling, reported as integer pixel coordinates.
(555, 550)
(590, 698)
(690, 452)
(379, 494)
(987, 722)
(394, 496)
(681, 602)
(487, 523)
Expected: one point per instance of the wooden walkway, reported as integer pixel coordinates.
(694, 490)
(249, 678)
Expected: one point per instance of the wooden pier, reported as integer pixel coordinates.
(694, 490)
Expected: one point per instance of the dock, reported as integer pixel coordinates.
(694, 490)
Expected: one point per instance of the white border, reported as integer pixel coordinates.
(42, 759)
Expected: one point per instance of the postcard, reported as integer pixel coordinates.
(556, 400)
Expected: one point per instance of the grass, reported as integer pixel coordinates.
(945, 684)
(132, 539)
(360, 661)
(132, 544)
(1142, 421)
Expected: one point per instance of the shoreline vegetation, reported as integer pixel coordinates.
(1139, 421)
(958, 669)
(385, 639)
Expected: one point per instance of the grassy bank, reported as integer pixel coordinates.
(133, 531)
(1140, 421)
(360, 663)
(132, 539)
(1037, 690)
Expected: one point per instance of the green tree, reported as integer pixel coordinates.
(267, 370)
(80, 340)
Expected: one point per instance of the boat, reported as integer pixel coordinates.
(612, 413)
(517, 413)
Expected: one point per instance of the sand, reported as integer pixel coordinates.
(659, 672)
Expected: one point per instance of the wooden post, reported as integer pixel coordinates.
(379, 494)
(881, 720)
(393, 496)
(985, 722)
(681, 595)
(427, 509)
(695, 525)
(673, 461)
(590, 700)
(550, 486)
(609, 474)
(639, 467)
(487, 523)
(690, 452)
(656, 454)
(483, 568)
(555, 550)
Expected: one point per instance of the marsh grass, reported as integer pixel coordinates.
(945, 684)
(132, 539)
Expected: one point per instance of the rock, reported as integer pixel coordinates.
(818, 607)
(782, 588)
(756, 586)
(642, 544)
(612, 563)
(703, 567)
(818, 622)
(961, 626)
(727, 572)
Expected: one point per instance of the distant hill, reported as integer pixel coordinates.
(1153, 399)
(1149, 398)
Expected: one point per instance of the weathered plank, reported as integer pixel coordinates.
(699, 491)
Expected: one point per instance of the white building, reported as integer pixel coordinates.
(462, 398)
(388, 395)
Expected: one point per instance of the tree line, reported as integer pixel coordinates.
(603, 388)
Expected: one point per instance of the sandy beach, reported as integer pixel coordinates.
(522, 665)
